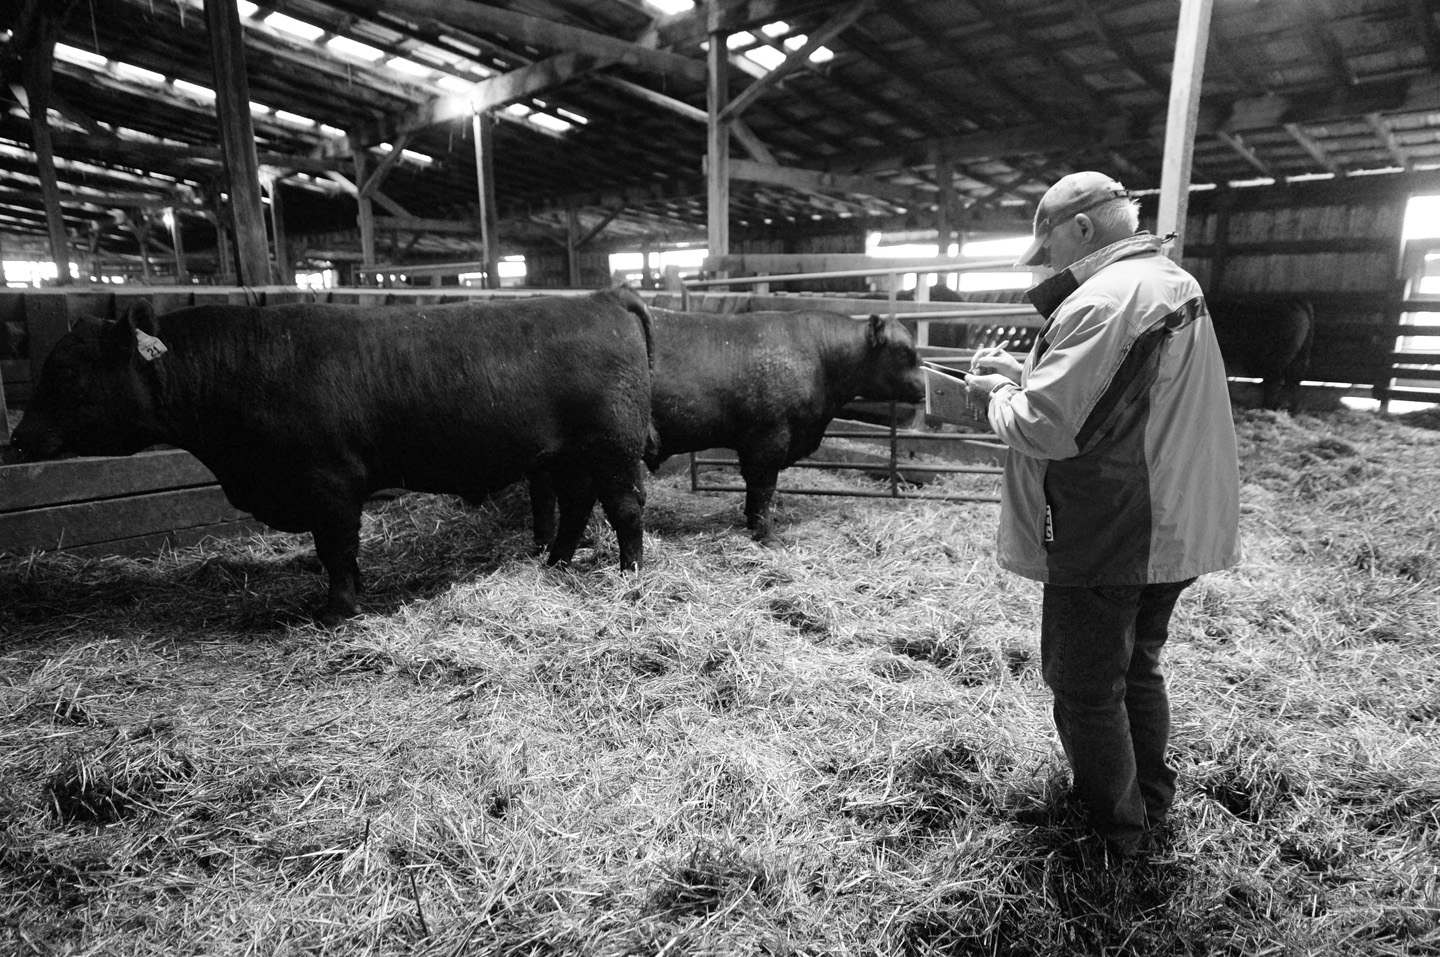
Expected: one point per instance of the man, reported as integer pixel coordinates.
(1121, 486)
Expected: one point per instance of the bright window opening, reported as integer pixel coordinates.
(295, 28)
(354, 48)
(79, 57)
(195, 90)
(139, 73)
(553, 123)
(671, 7)
(408, 67)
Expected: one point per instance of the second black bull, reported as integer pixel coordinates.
(765, 384)
(1269, 340)
(303, 411)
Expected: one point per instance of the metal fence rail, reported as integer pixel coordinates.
(898, 485)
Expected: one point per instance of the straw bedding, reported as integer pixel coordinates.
(817, 747)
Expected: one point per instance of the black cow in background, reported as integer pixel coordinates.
(765, 384)
(1268, 340)
(302, 411)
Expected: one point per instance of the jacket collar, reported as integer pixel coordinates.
(1048, 295)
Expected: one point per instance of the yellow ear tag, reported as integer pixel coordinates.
(150, 347)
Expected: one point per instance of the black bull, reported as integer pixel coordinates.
(1269, 340)
(303, 411)
(765, 384)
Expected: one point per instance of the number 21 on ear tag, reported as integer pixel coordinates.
(150, 347)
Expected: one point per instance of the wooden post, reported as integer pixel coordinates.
(717, 153)
(38, 59)
(1192, 36)
(945, 192)
(484, 125)
(284, 268)
(177, 242)
(572, 246)
(366, 213)
(237, 139)
(140, 226)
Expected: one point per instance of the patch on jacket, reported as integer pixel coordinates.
(1049, 525)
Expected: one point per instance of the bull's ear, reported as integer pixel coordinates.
(130, 334)
(878, 331)
(141, 316)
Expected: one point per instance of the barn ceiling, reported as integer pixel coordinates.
(601, 123)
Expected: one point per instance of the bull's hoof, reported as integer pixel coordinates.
(332, 616)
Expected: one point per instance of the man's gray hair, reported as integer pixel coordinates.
(1117, 217)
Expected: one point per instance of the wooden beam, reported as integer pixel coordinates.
(284, 267)
(177, 242)
(599, 227)
(1312, 146)
(795, 59)
(1423, 23)
(483, 126)
(107, 149)
(365, 211)
(541, 33)
(37, 58)
(818, 181)
(1192, 38)
(728, 16)
(371, 184)
(497, 91)
(746, 137)
(998, 12)
(1237, 143)
(237, 140)
(717, 151)
(1387, 137)
(1121, 47)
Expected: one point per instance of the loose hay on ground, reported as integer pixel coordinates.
(817, 747)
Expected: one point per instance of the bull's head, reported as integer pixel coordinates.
(893, 367)
(95, 391)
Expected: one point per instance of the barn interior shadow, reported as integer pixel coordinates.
(412, 551)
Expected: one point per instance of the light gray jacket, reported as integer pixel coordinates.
(1122, 465)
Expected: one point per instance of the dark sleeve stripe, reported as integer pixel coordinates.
(1135, 375)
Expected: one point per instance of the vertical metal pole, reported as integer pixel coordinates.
(894, 454)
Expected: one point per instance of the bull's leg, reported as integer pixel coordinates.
(760, 479)
(1272, 392)
(622, 496)
(576, 496)
(337, 543)
(542, 508)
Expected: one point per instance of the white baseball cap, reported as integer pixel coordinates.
(1070, 196)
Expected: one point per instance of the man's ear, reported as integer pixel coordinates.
(1086, 225)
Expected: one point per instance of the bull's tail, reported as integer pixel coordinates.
(632, 301)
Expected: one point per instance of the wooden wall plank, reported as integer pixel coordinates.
(37, 484)
(175, 538)
(48, 319)
(88, 523)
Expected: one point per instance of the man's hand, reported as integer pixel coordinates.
(996, 359)
(980, 386)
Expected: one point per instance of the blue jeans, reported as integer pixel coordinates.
(1100, 655)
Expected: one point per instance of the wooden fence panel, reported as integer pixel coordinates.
(109, 520)
(36, 484)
